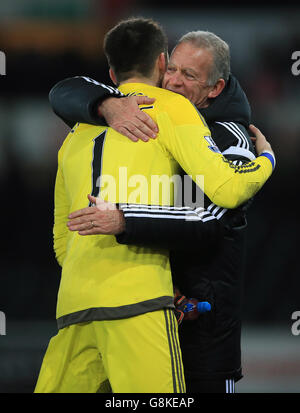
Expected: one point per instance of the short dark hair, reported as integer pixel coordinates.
(132, 47)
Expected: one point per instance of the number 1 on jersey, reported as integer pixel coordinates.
(97, 163)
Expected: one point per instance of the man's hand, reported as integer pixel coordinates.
(260, 141)
(103, 218)
(125, 116)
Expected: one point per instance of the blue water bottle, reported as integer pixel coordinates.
(192, 308)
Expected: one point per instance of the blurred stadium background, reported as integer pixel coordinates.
(47, 40)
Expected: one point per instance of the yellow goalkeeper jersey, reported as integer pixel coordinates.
(100, 278)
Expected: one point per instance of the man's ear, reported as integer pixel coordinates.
(113, 76)
(217, 89)
(162, 62)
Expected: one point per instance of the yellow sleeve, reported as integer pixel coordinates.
(61, 211)
(226, 184)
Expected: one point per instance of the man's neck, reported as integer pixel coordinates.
(144, 80)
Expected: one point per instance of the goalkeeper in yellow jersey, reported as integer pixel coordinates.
(115, 303)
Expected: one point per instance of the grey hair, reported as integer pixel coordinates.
(219, 49)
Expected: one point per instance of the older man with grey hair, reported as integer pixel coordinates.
(205, 62)
(210, 267)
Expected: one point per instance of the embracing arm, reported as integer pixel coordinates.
(82, 99)
(177, 228)
(226, 184)
(76, 99)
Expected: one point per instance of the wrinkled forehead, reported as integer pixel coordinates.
(186, 55)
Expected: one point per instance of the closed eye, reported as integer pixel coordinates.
(171, 69)
(189, 76)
